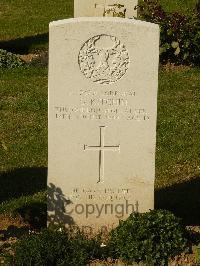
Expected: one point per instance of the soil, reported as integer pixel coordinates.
(11, 229)
(172, 67)
(40, 58)
(6, 221)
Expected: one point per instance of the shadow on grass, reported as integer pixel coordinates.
(22, 182)
(27, 44)
(26, 182)
(35, 214)
(13, 231)
(182, 199)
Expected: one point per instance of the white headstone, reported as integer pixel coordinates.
(100, 8)
(103, 76)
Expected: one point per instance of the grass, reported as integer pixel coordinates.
(23, 108)
(32, 209)
(23, 112)
(23, 144)
(198, 256)
(24, 122)
(27, 18)
(178, 5)
(24, 24)
(177, 127)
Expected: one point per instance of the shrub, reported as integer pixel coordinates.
(180, 34)
(9, 60)
(151, 238)
(52, 248)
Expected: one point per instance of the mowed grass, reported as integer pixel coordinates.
(178, 127)
(184, 6)
(23, 109)
(19, 18)
(23, 112)
(198, 256)
(24, 24)
(23, 146)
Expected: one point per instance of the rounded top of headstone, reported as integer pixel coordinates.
(103, 21)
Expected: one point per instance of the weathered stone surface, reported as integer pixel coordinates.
(103, 76)
(100, 8)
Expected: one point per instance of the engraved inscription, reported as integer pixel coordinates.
(101, 148)
(103, 104)
(107, 194)
(103, 59)
(98, 113)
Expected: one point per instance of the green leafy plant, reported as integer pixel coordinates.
(151, 238)
(9, 60)
(53, 247)
(179, 33)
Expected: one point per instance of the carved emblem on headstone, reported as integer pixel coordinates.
(103, 59)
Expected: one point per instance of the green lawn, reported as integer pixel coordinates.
(23, 109)
(24, 23)
(23, 112)
(178, 5)
(198, 257)
(21, 18)
(178, 128)
(23, 143)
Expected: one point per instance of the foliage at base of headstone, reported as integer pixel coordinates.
(179, 33)
(152, 238)
(9, 60)
(55, 248)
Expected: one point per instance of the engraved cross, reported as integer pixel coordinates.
(101, 148)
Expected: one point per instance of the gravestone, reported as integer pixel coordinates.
(103, 76)
(107, 8)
